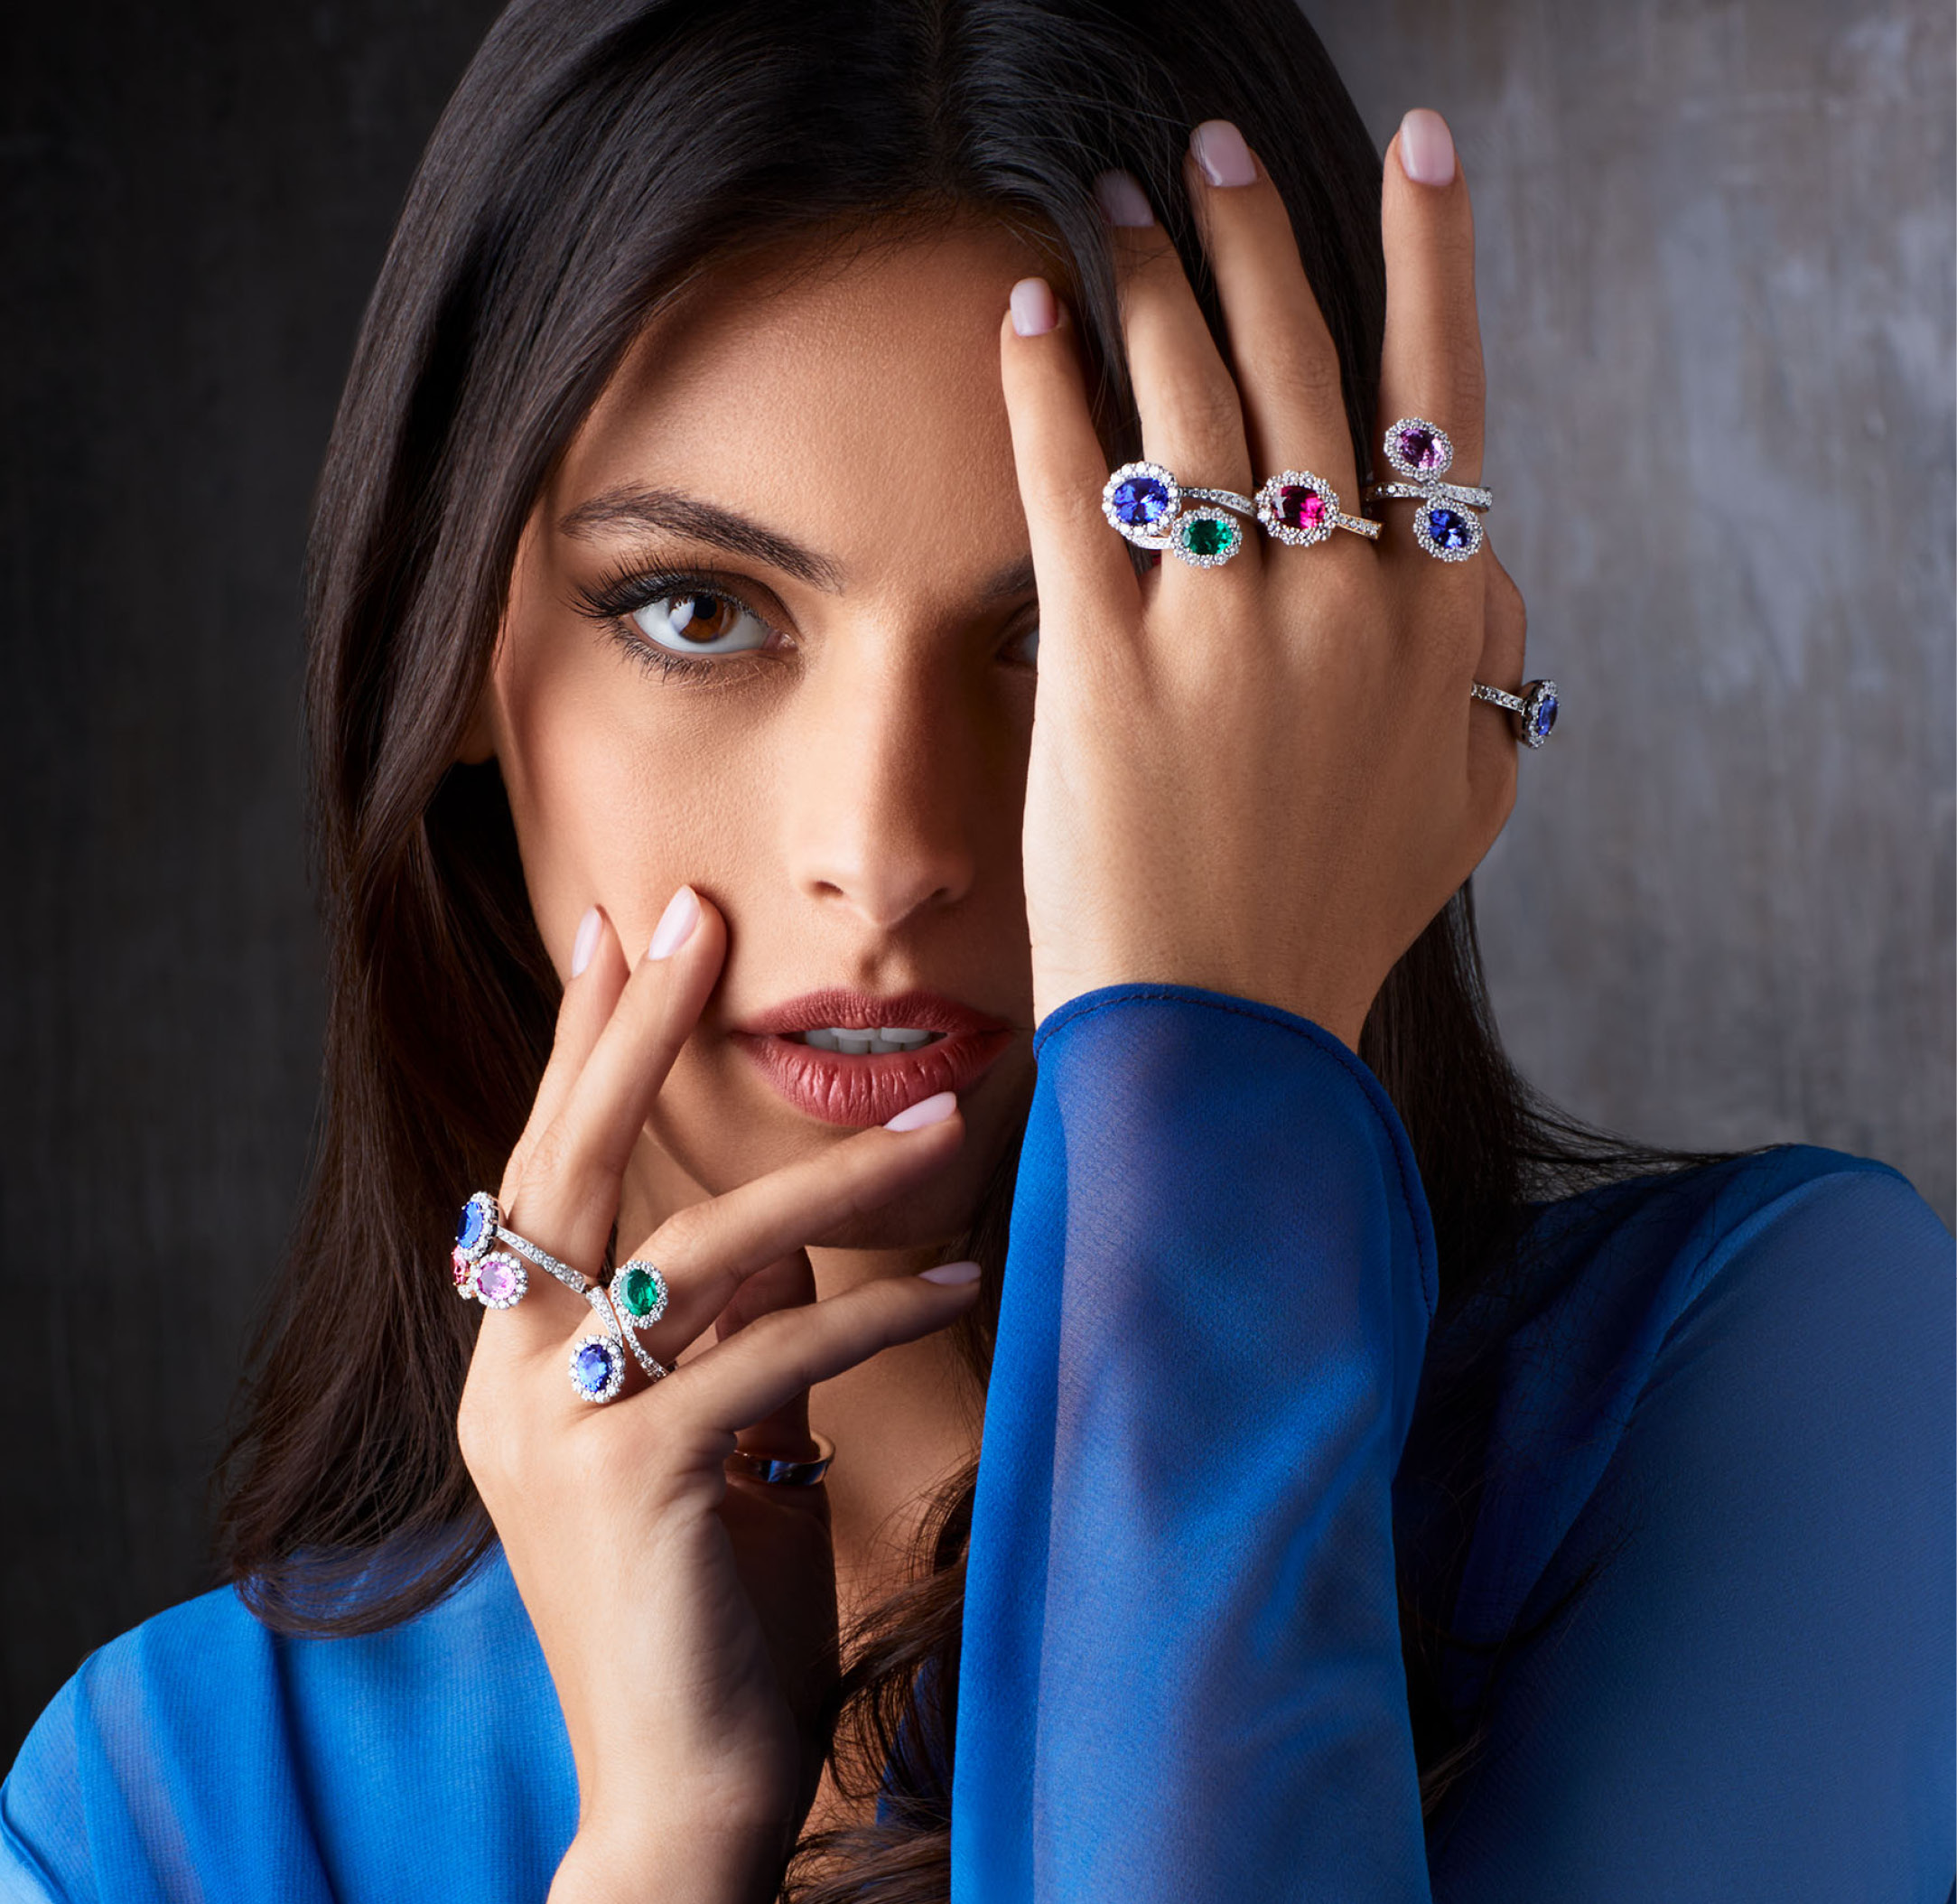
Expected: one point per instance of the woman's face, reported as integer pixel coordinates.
(769, 634)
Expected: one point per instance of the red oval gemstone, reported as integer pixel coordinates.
(1301, 508)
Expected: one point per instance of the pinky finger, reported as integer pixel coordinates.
(757, 1372)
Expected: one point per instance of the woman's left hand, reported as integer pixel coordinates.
(1263, 779)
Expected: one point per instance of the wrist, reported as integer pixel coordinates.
(674, 1863)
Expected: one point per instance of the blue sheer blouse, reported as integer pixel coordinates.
(1718, 1500)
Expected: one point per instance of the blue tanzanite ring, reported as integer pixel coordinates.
(1446, 525)
(1145, 505)
(784, 1474)
(493, 1276)
(1535, 708)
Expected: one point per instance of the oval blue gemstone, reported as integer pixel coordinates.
(1448, 529)
(1545, 717)
(1140, 501)
(468, 1231)
(591, 1367)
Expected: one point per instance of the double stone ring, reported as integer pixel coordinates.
(635, 1298)
(1446, 525)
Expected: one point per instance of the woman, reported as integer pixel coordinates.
(1387, 1491)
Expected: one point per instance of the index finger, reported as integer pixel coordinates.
(568, 1198)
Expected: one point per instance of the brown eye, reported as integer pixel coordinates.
(698, 621)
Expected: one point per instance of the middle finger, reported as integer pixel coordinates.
(708, 1250)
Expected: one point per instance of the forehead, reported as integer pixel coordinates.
(833, 391)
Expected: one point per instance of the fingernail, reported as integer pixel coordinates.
(586, 942)
(1034, 311)
(1426, 148)
(951, 1273)
(1122, 200)
(676, 925)
(1220, 151)
(927, 1110)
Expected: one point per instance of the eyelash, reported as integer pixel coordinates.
(614, 600)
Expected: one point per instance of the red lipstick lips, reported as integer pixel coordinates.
(863, 1089)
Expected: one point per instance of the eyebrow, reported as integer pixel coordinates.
(667, 510)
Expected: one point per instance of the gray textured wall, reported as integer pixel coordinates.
(1717, 259)
(1716, 274)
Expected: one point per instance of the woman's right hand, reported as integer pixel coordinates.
(688, 1618)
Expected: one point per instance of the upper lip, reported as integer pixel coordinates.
(859, 1011)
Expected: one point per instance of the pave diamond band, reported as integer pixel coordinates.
(1535, 708)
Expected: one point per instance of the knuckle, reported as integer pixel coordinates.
(685, 1236)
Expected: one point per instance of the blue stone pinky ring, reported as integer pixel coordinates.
(492, 1277)
(1535, 708)
(1303, 509)
(1446, 525)
(1145, 505)
(784, 1474)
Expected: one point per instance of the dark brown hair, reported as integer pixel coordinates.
(596, 155)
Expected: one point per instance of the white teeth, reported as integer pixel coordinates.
(871, 1043)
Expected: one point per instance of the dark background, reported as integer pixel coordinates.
(1716, 254)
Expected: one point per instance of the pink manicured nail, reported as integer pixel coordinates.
(1122, 200)
(952, 1273)
(927, 1110)
(1220, 151)
(676, 925)
(1034, 310)
(1426, 148)
(586, 942)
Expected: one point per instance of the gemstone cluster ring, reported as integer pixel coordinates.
(1145, 505)
(1303, 509)
(1535, 708)
(1447, 525)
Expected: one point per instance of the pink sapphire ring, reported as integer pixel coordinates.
(1303, 509)
(492, 1277)
(1446, 525)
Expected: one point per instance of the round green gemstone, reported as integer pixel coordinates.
(642, 1291)
(1208, 537)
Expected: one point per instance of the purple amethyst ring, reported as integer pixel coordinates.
(1447, 525)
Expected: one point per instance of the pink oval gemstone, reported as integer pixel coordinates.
(460, 1264)
(1300, 507)
(495, 1281)
(1420, 449)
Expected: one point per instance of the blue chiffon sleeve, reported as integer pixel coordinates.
(1182, 1675)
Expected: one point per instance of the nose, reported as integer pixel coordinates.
(881, 794)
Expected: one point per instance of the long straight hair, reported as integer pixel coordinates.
(597, 156)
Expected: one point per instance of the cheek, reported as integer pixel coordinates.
(620, 791)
